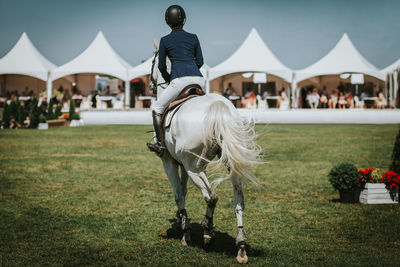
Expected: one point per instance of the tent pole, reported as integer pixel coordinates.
(294, 86)
(127, 93)
(395, 86)
(49, 85)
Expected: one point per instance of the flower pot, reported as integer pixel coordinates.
(378, 194)
(43, 126)
(349, 196)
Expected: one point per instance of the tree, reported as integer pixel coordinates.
(396, 155)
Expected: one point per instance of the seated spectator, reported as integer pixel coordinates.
(349, 99)
(381, 102)
(364, 94)
(324, 101)
(314, 99)
(249, 100)
(333, 100)
(342, 101)
(27, 122)
(121, 94)
(228, 93)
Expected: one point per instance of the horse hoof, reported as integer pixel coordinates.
(207, 239)
(241, 256)
(186, 239)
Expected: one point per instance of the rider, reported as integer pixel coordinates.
(183, 49)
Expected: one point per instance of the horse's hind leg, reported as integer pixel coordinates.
(172, 170)
(238, 206)
(200, 180)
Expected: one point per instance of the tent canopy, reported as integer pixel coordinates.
(141, 69)
(99, 57)
(252, 56)
(343, 58)
(25, 59)
(391, 68)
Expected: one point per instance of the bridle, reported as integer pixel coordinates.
(153, 81)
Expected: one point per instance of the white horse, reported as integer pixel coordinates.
(205, 127)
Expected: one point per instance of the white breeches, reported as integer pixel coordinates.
(173, 90)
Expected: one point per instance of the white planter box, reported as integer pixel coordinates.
(76, 123)
(43, 126)
(377, 194)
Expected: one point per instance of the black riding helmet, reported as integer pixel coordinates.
(175, 17)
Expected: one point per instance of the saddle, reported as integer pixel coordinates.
(189, 92)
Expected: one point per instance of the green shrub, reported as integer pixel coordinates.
(57, 112)
(34, 113)
(50, 114)
(395, 166)
(42, 118)
(76, 117)
(6, 116)
(71, 108)
(21, 114)
(345, 177)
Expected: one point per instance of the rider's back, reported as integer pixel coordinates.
(184, 51)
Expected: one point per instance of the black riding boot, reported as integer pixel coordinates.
(159, 146)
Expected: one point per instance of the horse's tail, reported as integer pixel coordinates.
(236, 139)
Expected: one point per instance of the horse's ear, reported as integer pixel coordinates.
(155, 44)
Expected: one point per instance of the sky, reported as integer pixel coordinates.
(298, 32)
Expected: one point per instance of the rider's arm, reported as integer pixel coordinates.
(162, 59)
(199, 54)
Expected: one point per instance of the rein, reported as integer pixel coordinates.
(153, 81)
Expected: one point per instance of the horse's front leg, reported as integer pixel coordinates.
(172, 170)
(238, 206)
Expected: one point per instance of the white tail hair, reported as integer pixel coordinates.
(236, 138)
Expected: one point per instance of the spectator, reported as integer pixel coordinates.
(381, 101)
(324, 101)
(325, 92)
(363, 95)
(249, 100)
(121, 94)
(231, 88)
(342, 101)
(228, 93)
(333, 100)
(349, 99)
(314, 99)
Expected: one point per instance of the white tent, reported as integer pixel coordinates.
(25, 59)
(343, 58)
(99, 57)
(391, 67)
(391, 74)
(252, 56)
(141, 69)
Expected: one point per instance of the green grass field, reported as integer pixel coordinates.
(96, 196)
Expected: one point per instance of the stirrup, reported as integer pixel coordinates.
(156, 147)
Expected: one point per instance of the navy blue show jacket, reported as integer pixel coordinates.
(184, 51)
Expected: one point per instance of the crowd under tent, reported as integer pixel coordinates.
(98, 58)
(392, 74)
(253, 56)
(24, 68)
(338, 68)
